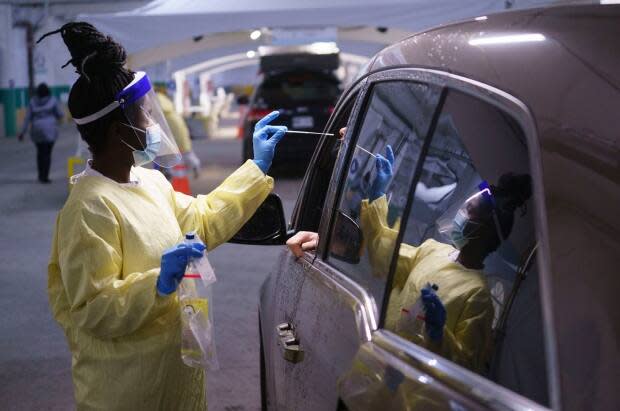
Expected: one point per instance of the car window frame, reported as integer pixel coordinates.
(519, 111)
(352, 93)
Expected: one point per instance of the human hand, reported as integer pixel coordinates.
(302, 241)
(434, 313)
(384, 173)
(265, 139)
(173, 264)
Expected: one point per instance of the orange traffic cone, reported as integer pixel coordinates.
(180, 180)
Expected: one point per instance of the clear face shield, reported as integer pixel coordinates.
(144, 117)
(461, 223)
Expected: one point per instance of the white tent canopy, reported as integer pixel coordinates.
(175, 22)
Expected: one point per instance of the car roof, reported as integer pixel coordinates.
(568, 77)
(572, 50)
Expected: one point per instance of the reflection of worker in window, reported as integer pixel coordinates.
(457, 318)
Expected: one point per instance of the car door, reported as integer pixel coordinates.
(281, 292)
(479, 133)
(337, 307)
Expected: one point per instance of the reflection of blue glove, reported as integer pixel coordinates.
(435, 314)
(384, 173)
(173, 264)
(264, 146)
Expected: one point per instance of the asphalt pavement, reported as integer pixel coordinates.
(35, 364)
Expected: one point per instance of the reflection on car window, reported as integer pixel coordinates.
(397, 119)
(467, 244)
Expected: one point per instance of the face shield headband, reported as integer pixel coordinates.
(135, 90)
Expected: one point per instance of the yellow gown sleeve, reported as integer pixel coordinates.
(380, 240)
(468, 344)
(101, 301)
(217, 216)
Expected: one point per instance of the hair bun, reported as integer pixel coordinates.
(92, 52)
(514, 190)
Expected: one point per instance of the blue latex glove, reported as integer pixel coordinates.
(265, 140)
(435, 314)
(384, 173)
(173, 264)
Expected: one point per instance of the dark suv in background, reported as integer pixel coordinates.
(304, 89)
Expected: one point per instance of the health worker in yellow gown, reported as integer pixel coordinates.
(115, 261)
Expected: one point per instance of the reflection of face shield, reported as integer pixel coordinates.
(461, 223)
(140, 107)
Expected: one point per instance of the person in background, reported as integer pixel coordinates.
(42, 117)
(180, 132)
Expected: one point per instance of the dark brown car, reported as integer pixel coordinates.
(532, 93)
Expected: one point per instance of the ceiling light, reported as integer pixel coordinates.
(255, 35)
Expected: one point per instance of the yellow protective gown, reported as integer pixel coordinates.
(177, 124)
(106, 252)
(464, 292)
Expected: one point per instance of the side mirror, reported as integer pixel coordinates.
(243, 100)
(346, 241)
(266, 227)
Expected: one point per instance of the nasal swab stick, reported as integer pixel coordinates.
(325, 134)
(309, 132)
(364, 150)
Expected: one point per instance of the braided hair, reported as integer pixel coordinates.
(512, 192)
(100, 63)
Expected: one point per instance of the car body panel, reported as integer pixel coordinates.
(564, 89)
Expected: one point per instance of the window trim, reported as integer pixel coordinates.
(522, 115)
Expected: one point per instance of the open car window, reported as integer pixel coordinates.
(322, 170)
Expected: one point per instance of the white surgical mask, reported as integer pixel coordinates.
(153, 144)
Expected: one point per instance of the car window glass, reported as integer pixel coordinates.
(398, 114)
(468, 246)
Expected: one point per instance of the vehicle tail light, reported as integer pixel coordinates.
(240, 132)
(330, 110)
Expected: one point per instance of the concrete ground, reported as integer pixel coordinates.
(34, 360)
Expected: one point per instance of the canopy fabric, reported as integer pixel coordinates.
(167, 21)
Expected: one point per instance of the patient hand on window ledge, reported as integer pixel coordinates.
(302, 241)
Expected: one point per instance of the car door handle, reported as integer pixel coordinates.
(288, 341)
